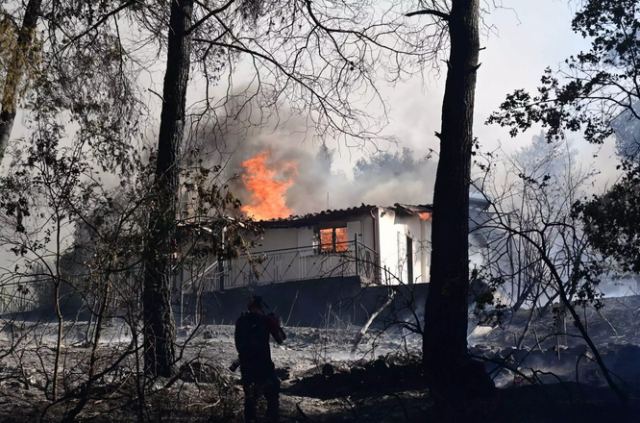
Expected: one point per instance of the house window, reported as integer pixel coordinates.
(334, 240)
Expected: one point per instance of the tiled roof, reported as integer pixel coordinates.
(334, 214)
(413, 208)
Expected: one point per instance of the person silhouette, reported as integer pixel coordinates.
(258, 376)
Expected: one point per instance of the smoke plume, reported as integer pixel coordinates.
(399, 175)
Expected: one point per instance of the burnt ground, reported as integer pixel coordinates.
(323, 380)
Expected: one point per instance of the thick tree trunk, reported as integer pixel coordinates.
(15, 73)
(445, 335)
(159, 325)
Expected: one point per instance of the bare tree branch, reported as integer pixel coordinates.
(432, 12)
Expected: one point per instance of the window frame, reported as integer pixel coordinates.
(333, 247)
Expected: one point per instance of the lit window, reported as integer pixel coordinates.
(341, 240)
(334, 240)
(326, 240)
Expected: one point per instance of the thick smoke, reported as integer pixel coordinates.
(382, 178)
(404, 177)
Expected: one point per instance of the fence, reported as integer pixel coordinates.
(293, 264)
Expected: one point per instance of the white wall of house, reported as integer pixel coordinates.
(396, 231)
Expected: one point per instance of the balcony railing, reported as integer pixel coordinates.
(293, 264)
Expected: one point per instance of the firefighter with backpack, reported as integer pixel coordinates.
(252, 332)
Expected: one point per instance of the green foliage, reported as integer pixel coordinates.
(611, 221)
(594, 87)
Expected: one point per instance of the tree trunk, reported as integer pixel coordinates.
(15, 73)
(58, 311)
(445, 334)
(159, 325)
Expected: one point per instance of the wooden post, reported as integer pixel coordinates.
(221, 272)
(355, 243)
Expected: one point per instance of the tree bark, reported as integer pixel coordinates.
(445, 333)
(15, 73)
(159, 324)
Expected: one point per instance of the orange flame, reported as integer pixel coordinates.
(267, 191)
(425, 216)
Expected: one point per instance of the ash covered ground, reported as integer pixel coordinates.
(323, 377)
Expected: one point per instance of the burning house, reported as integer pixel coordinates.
(377, 245)
(325, 259)
(347, 260)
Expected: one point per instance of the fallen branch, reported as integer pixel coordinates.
(373, 317)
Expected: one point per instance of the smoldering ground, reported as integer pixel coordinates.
(323, 379)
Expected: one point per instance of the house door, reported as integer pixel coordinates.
(409, 259)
